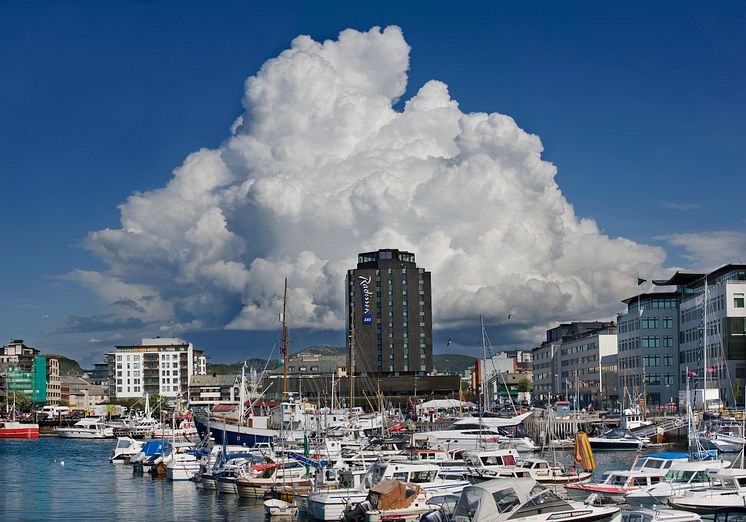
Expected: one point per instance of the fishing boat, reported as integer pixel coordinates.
(10, 429)
(525, 500)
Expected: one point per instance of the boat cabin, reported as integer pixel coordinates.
(480, 459)
(416, 473)
(629, 479)
(659, 461)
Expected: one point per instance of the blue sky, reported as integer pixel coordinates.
(641, 109)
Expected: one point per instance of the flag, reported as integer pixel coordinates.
(641, 281)
(710, 370)
(690, 373)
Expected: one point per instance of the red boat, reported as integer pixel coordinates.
(18, 430)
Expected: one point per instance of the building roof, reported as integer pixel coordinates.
(689, 278)
(633, 299)
(213, 380)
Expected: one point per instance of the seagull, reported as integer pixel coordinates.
(45, 316)
(509, 315)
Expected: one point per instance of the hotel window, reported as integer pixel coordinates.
(738, 300)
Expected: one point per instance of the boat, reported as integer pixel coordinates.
(148, 455)
(275, 507)
(680, 479)
(391, 500)
(259, 479)
(644, 514)
(87, 428)
(18, 430)
(728, 491)
(724, 438)
(525, 500)
(618, 439)
(615, 484)
(125, 449)
(330, 505)
(182, 466)
(12, 429)
(473, 433)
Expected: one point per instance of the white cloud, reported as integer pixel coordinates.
(709, 250)
(320, 167)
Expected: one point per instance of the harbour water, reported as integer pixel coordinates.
(37, 485)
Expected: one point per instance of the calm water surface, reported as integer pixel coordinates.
(36, 486)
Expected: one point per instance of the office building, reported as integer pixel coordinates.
(389, 315)
(23, 370)
(724, 366)
(159, 365)
(551, 379)
(649, 349)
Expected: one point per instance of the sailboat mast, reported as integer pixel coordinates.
(704, 343)
(285, 341)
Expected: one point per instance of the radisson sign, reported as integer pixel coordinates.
(365, 295)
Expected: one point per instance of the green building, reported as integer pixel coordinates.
(33, 383)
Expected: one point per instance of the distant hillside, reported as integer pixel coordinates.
(68, 366)
(324, 349)
(235, 368)
(452, 362)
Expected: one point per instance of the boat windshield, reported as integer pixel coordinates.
(505, 500)
(418, 477)
(542, 501)
(123, 443)
(679, 476)
(617, 480)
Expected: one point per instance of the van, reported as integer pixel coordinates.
(53, 412)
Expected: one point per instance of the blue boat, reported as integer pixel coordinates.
(234, 434)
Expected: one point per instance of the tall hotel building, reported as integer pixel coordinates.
(389, 315)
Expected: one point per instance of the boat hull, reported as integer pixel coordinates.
(17, 430)
(234, 435)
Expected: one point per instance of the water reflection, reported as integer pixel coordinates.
(37, 485)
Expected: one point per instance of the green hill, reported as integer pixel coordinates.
(68, 366)
(452, 363)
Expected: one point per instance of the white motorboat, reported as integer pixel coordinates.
(615, 484)
(275, 507)
(728, 491)
(473, 433)
(525, 500)
(88, 428)
(125, 449)
(329, 505)
(182, 466)
(680, 479)
(257, 480)
(658, 515)
(618, 439)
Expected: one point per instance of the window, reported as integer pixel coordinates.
(651, 341)
(668, 360)
(668, 322)
(738, 300)
(649, 322)
(667, 341)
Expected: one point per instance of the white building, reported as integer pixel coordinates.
(159, 365)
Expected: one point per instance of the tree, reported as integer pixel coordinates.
(525, 385)
(22, 401)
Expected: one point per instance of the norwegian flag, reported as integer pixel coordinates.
(691, 373)
(710, 370)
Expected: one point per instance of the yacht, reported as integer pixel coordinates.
(259, 479)
(680, 479)
(88, 428)
(526, 500)
(615, 484)
(330, 505)
(728, 492)
(472, 433)
(618, 439)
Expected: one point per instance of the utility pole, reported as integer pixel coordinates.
(351, 378)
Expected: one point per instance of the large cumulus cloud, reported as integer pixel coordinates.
(320, 166)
